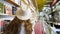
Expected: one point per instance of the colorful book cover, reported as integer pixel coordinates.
(1, 8)
(14, 9)
(2, 25)
(8, 10)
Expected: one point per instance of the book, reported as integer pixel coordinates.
(2, 26)
(14, 9)
(1, 8)
(8, 10)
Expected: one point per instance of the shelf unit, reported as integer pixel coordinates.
(6, 17)
(3, 14)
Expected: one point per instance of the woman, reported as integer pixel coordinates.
(19, 25)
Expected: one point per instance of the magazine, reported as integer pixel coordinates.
(1, 8)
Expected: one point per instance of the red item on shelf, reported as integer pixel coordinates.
(2, 23)
(39, 29)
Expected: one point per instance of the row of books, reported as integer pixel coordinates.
(3, 24)
(5, 9)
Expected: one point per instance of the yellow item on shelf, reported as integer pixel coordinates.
(40, 4)
(25, 2)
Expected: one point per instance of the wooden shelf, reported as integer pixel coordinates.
(12, 2)
(6, 15)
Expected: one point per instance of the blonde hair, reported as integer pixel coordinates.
(15, 26)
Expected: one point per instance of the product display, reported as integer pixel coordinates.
(1, 8)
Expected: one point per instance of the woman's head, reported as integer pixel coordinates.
(23, 15)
